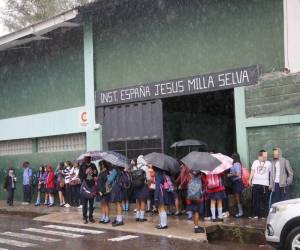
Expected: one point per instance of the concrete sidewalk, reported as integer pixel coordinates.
(179, 228)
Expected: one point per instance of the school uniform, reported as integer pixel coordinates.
(117, 191)
(195, 206)
(217, 193)
(102, 181)
(142, 193)
(67, 175)
(10, 186)
(237, 183)
(161, 195)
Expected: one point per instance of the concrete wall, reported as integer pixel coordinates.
(46, 76)
(182, 38)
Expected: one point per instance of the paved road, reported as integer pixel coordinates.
(23, 233)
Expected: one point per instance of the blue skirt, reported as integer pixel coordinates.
(117, 194)
(237, 186)
(141, 193)
(217, 195)
(162, 197)
(104, 198)
(196, 207)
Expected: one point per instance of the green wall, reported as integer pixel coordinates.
(187, 38)
(47, 76)
(35, 160)
(287, 137)
(277, 94)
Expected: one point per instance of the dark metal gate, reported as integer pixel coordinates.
(133, 129)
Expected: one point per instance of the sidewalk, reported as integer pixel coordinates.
(179, 228)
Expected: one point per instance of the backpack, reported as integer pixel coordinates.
(194, 190)
(124, 180)
(245, 176)
(168, 184)
(138, 178)
(87, 192)
(213, 181)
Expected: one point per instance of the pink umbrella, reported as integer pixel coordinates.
(226, 163)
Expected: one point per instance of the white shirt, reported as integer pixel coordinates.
(277, 172)
(261, 172)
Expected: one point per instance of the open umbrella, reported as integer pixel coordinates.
(115, 158)
(163, 162)
(95, 155)
(188, 143)
(200, 161)
(226, 163)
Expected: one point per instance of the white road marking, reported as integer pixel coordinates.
(50, 232)
(3, 248)
(126, 237)
(74, 229)
(30, 237)
(16, 243)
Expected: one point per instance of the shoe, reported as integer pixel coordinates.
(101, 221)
(37, 204)
(143, 220)
(79, 207)
(118, 223)
(61, 205)
(219, 219)
(226, 215)
(106, 222)
(214, 220)
(92, 220)
(161, 227)
(85, 221)
(255, 218)
(177, 214)
(51, 205)
(137, 219)
(189, 218)
(67, 205)
(199, 230)
(25, 203)
(239, 215)
(207, 218)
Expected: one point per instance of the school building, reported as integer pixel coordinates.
(135, 76)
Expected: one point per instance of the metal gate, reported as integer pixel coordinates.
(133, 129)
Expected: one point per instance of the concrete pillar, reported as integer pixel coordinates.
(93, 134)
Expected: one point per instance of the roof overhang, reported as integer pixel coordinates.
(38, 30)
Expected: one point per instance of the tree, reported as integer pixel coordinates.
(18, 14)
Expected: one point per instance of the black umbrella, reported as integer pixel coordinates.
(163, 162)
(188, 143)
(201, 161)
(115, 158)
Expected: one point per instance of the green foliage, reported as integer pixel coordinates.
(18, 14)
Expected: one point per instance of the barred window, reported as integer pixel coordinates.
(71, 142)
(16, 147)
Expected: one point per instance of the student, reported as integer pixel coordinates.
(182, 182)
(236, 178)
(260, 181)
(117, 181)
(10, 186)
(50, 185)
(140, 176)
(88, 175)
(60, 183)
(152, 190)
(75, 184)
(41, 178)
(67, 176)
(27, 183)
(104, 192)
(216, 193)
(164, 195)
(281, 176)
(194, 199)
(127, 192)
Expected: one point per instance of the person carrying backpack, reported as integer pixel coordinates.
(139, 177)
(216, 193)
(118, 181)
(236, 179)
(194, 199)
(104, 192)
(163, 196)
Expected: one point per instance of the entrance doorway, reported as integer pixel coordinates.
(208, 117)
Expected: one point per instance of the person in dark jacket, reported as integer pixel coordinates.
(10, 186)
(88, 175)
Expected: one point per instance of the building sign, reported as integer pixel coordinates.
(83, 118)
(184, 86)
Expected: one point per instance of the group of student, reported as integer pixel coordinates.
(151, 188)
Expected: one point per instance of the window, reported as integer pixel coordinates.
(16, 147)
(61, 143)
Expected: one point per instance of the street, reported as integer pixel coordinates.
(17, 232)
